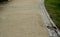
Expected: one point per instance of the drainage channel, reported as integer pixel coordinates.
(51, 27)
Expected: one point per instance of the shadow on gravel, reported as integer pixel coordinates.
(3, 5)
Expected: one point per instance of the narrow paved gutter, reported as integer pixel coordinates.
(21, 18)
(51, 27)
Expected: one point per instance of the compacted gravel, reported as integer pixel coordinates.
(21, 18)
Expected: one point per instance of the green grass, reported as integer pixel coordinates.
(53, 8)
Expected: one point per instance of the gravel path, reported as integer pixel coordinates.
(21, 18)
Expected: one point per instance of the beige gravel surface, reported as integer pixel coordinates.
(21, 18)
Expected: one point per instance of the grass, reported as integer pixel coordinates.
(53, 8)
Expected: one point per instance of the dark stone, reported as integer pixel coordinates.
(3, 0)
